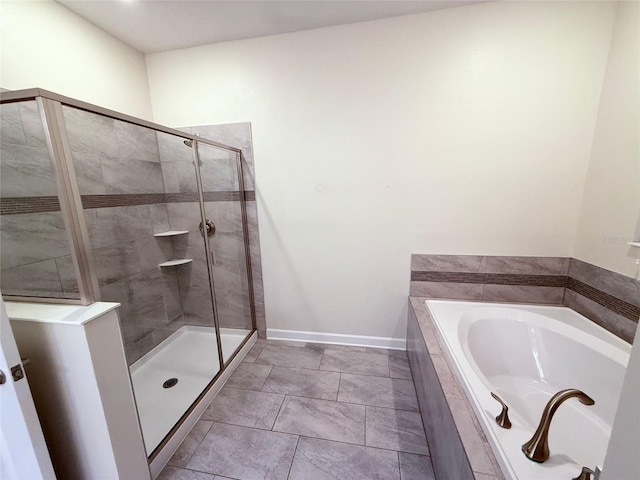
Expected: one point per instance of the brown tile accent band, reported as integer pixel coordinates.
(21, 205)
(208, 197)
(18, 205)
(491, 278)
(125, 200)
(614, 304)
(607, 300)
(103, 201)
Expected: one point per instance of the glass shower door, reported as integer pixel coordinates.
(225, 230)
(140, 206)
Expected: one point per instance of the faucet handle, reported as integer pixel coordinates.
(587, 473)
(503, 418)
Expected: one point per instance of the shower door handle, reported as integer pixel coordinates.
(210, 228)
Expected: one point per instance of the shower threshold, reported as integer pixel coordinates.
(168, 379)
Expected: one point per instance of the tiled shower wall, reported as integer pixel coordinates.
(222, 206)
(30, 211)
(134, 182)
(119, 174)
(607, 298)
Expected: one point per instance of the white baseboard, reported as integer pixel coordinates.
(337, 339)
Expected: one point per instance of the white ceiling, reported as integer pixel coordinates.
(160, 25)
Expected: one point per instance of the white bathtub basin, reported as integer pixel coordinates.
(526, 354)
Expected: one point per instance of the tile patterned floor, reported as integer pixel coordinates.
(295, 411)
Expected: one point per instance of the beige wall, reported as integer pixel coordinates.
(611, 202)
(45, 45)
(466, 130)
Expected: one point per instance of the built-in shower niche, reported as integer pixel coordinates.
(36, 254)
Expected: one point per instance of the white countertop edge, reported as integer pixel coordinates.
(57, 313)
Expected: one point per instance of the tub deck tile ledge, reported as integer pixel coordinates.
(475, 459)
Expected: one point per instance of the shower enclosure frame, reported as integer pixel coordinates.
(51, 114)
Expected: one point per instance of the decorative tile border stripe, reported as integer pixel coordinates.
(491, 278)
(607, 298)
(19, 205)
(526, 280)
(105, 201)
(614, 304)
(124, 200)
(208, 197)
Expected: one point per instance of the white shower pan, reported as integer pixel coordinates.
(188, 355)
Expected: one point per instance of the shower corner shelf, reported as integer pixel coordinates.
(170, 233)
(176, 262)
(635, 244)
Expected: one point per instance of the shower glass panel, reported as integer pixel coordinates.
(140, 203)
(224, 209)
(36, 251)
(97, 205)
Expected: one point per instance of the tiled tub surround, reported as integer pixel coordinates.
(610, 299)
(490, 347)
(459, 448)
(30, 211)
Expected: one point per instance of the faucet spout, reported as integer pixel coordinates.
(537, 449)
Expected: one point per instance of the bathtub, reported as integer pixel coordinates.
(525, 354)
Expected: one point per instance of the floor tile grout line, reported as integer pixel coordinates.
(286, 394)
(265, 380)
(292, 366)
(200, 442)
(196, 470)
(365, 425)
(342, 402)
(362, 374)
(357, 445)
(293, 458)
(278, 414)
(321, 358)
(350, 372)
(213, 475)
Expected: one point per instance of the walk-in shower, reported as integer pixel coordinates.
(97, 205)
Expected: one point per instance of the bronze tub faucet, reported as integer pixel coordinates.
(537, 449)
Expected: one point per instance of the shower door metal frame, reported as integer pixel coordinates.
(207, 250)
(50, 107)
(245, 236)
